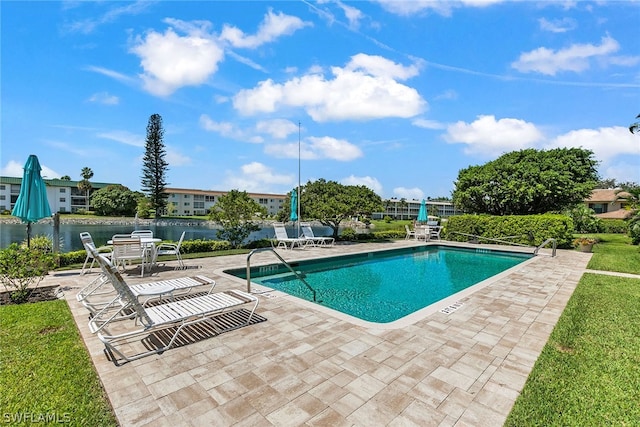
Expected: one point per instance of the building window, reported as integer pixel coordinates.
(63, 190)
(186, 204)
(2, 187)
(3, 197)
(63, 200)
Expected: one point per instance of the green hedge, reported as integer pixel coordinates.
(188, 247)
(615, 226)
(531, 229)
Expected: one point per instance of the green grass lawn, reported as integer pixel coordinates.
(614, 252)
(46, 374)
(588, 374)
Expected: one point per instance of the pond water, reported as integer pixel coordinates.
(70, 233)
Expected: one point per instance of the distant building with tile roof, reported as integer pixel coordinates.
(609, 203)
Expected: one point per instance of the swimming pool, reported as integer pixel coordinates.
(385, 286)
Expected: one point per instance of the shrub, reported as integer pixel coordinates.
(22, 269)
(524, 229)
(387, 219)
(585, 220)
(73, 257)
(203, 245)
(261, 243)
(634, 229)
(614, 226)
(348, 235)
(390, 234)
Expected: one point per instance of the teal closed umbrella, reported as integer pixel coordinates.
(294, 206)
(422, 213)
(32, 204)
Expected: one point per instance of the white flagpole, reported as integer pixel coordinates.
(299, 195)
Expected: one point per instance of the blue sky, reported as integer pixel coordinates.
(395, 95)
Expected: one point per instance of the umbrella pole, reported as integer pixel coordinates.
(28, 234)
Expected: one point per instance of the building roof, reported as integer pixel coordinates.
(618, 214)
(607, 195)
(53, 182)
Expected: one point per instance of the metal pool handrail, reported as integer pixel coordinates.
(313, 291)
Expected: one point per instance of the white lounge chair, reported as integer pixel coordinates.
(170, 318)
(307, 233)
(95, 300)
(171, 249)
(283, 240)
(86, 239)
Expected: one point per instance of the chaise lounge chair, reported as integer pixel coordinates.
(283, 240)
(314, 240)
(93, 297)
(86, 239)
(169, 318)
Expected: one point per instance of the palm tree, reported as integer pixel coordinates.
(86, 173)
(635, 127)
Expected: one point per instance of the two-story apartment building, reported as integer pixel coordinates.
(63, 195)
(185, 202)
(408, 209)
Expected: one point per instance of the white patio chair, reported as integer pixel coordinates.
(170, 318)
(126, 249)
(171, 249)
(422, 232)
(283, 240)
(411, 234)
(307, 233)
(149, 248)
(86, 239)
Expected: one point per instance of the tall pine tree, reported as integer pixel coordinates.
(154, 166)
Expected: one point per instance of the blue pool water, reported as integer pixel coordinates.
(386, 286)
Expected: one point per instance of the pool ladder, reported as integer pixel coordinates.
(286, 264)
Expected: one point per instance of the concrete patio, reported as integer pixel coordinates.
(447, 365)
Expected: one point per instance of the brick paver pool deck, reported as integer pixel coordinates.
(306, 366)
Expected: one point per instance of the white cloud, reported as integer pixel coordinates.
(365, 89)
(273, 26)
(491, 137)
(444, 8)
(110, 73)
(123, 137)
(557, 25)
(449, 94)
(256, 177)
(104, 98)
(575, 58)
(367, 181)
(315, 148)
(352, 14)
(87, 26)
(428, 124)
(175, 158)
(171, 61)
(278, 128)
(229, 130)
(408, 193)
(16, 170)
(606, 143)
